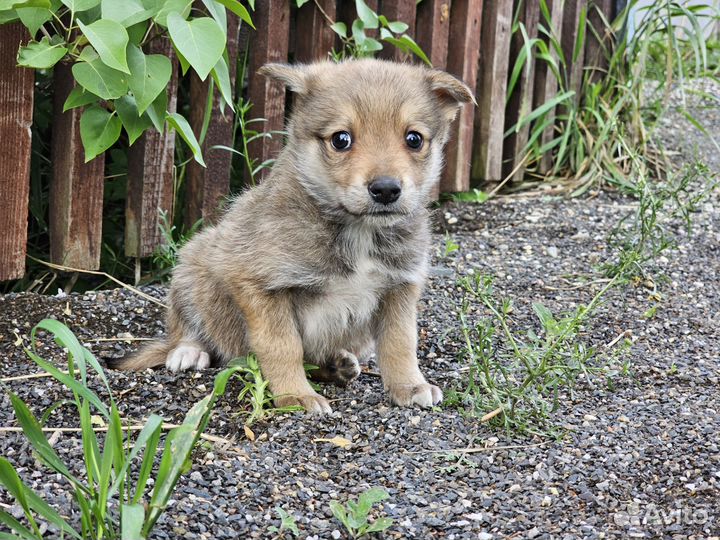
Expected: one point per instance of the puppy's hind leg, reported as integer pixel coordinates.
(339, 369)
(188, 354)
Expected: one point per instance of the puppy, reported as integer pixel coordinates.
(325, 260)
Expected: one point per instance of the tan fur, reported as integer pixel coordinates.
(307, 267)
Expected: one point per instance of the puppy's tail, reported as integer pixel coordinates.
(150, 356)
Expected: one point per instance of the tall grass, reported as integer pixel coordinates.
(605, 126)
(115, 494)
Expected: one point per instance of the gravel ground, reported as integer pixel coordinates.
(638, 461)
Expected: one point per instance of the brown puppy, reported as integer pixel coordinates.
(325, 260)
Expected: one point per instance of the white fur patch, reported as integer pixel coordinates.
(347, 303)
(186, 357)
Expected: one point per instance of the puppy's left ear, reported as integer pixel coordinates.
(450, 91)
(293, 77)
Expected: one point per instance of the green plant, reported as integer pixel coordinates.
(450, 245)
(166, 255)
(119, 85)
(603, 126)
(287, 523)
(642, 235)
(354, 516)
(357, 44)
(517, 383)
(255, 390)
(111, 500)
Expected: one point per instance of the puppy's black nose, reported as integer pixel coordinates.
(385, 190)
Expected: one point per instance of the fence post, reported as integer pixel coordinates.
(492, 90)
(150, 179)
(207, 186)
(521, 99)
(432, 28)
(546, 84)
(16, 110)
(76, 189)
(313, 36)
(462, 61)
(570, 32)
(268, 44)
(597, 37)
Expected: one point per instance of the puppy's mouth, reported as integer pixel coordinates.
(376, 211)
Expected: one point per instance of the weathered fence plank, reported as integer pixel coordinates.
(76, 189)
(314, 38)
(150, 180)
(570, 32)
(268, 44)
(404, 11)
(546, 84)
(462, 61)
(208, 186)
(16, 111)
(492, 90)
(432, 29)
(597, 37)
(521, 100)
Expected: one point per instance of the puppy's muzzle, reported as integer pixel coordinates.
(385, 190)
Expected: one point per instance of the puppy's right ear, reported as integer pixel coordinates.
(293, 77)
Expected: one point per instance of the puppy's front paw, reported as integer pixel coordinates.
(187, 356)
(406, 395)
(312, 403)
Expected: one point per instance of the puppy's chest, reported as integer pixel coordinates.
(345, 301)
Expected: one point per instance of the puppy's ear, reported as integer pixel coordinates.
(293, 77)
(451, 92)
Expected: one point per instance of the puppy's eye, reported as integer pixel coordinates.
(414, 140)
(341, 140)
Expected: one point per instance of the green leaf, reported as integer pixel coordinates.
(301, 3)
(101, 80)
(178, 122)
(338, 510)
(10, 479)
(79, 97)
(358, 32)
(397, 26)
(340, 28)
(134, 123)
(407, 44)
(367, 15)
(14, 4)
(545, 316)
(33, 18)
(200, 41)
(371, 45)
(14, 525)
(178, 448)
(217, 12)
(149, 76)
(158, 110)
(110, 39)
(380, 524)
(40, 54)
(127, 12)
(35, 435)
(221, 76)
(133, 518)
(181, 7)
(99, 130)
(238, 9)
(8, 16)
(80, 5)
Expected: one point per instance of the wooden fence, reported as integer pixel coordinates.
(469, 38)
